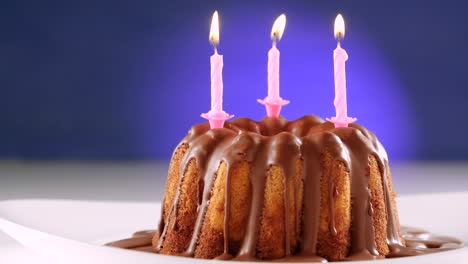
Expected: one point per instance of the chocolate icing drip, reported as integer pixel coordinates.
(362, 228)
(312, 174)
(277, 142)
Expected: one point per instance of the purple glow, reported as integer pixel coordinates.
(173, 100)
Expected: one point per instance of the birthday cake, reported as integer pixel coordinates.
(276, 189)
(298, 190)
(302, 190)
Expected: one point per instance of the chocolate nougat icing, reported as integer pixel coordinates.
(298, 190)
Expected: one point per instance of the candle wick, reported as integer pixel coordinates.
(274, 38)
(214, 42)
(339, 37)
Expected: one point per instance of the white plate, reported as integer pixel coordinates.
(73, 231)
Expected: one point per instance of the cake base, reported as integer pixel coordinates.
(417, 241)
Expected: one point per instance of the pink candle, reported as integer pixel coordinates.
(216, 116)
(339, 58)
(273, 102)
(216, 61)
(273, 72)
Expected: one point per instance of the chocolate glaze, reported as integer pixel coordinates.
(140, 241)
(418, 242)
(275, 141)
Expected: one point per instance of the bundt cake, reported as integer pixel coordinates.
(274, 189)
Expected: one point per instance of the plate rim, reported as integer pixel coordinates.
(5, 221)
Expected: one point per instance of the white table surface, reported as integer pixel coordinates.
(144, 181)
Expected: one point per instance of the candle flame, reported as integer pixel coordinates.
(278, 27)
(214, 30)
(339, 27)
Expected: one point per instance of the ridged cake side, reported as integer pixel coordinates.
(279, 190)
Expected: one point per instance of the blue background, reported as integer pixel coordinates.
(126, 79)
